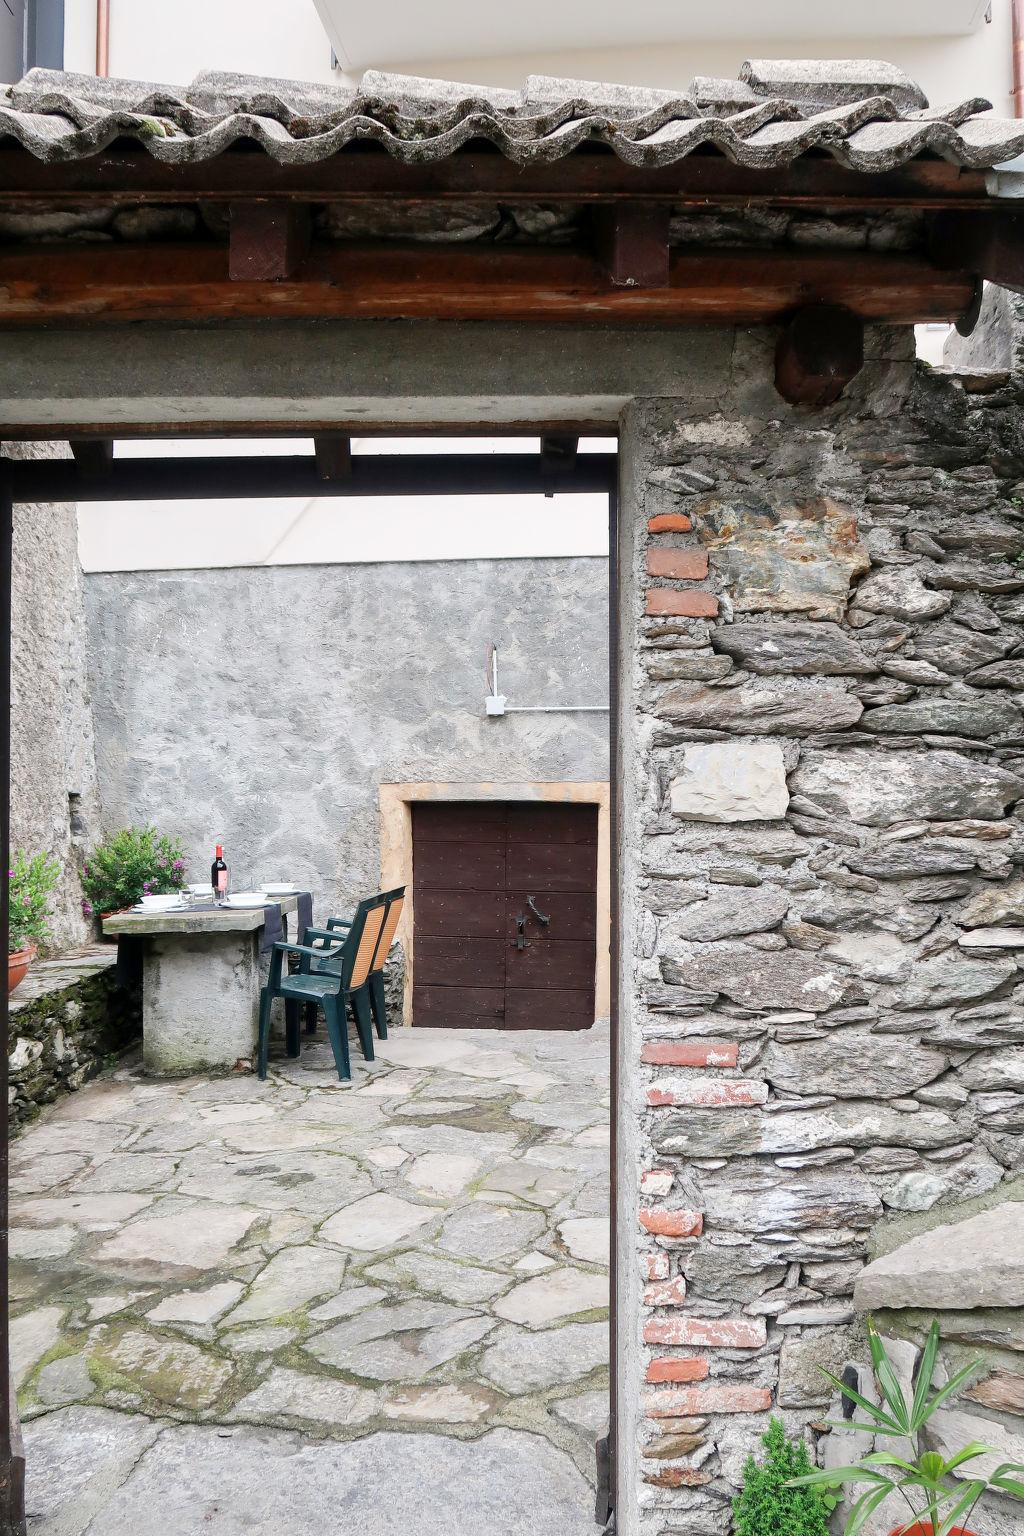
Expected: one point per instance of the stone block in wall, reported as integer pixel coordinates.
(962, 1266)
(902, 786)
(791, 558)
(731, 781)
(68, 1019)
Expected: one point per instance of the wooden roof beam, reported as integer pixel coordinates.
(114, 284)
(820, 350)
(364, 174)
(991, 245)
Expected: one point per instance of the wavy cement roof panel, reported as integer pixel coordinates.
(868, 115)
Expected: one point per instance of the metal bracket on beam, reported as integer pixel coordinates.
(558, 451)
(94, 456)
(632, 243)
(333, 455)
(267, 240)
(819, 351)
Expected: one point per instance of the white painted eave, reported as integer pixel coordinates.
(374, 36)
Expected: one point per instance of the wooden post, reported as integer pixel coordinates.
(12, 1456)
(267, 241)
(820, 349)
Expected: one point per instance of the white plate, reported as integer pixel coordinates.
(281, 890)
(246, 899)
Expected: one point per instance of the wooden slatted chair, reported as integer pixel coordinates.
(395, 902)
(352, 956)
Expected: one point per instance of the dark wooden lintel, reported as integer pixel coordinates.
(115, 283)
(367, 174)
(270, 475)
(268, 240)
(819, 351)
(632, 243)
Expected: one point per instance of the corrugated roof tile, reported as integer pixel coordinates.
(868, 115)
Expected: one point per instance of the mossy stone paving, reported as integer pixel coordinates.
(416, 1259)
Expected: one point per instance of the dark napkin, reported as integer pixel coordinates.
(303, 915)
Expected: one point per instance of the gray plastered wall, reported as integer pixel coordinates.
(262, 708)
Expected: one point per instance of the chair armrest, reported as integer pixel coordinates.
(338, 922)
(305, 949)
(321, 933)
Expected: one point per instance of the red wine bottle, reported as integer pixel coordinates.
(219, 875)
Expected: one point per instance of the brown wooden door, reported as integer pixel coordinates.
(482, 958)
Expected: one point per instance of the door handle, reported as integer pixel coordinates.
(536, 912)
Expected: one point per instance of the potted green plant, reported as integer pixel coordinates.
(31, 882)
(134, 862)
(772, 1501)
(939, 1505)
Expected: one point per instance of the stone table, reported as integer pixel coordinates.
(200, 984)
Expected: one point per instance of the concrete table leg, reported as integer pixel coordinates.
(200, 1001)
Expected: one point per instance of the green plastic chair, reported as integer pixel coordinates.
(335, 926)
(329, 990)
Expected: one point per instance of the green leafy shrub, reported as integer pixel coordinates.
(767, 1505)
(135, 862)
(31, 884)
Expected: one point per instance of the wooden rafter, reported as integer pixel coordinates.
(632, 243)
(124, 283)
(267, 241)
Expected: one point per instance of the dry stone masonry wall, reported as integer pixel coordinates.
(822, 776)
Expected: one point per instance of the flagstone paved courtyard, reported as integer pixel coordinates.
(242, 1307)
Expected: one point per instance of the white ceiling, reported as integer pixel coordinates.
(368, 36)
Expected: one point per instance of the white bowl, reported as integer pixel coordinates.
(247, 899)
(280, 888)
(158, 903)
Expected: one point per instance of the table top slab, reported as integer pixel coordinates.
(222, 920)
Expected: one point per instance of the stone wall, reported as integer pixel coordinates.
(52, 756)
(822, 747)
(262, 708)
(67, 1019)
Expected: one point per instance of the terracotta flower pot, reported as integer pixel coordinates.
(17, 966)
(924, 1528)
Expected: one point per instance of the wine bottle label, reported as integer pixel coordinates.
(222, 881)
